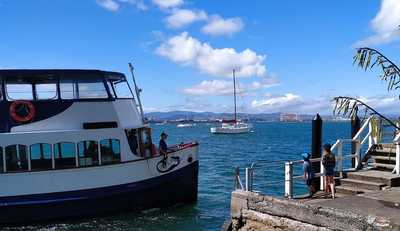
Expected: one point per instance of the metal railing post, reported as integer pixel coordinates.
(289, 180)
(340, 157)
(237, 173)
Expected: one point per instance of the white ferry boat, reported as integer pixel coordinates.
(75, 143)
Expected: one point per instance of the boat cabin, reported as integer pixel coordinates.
(59, 119)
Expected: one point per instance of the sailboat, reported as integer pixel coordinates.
(234, 126)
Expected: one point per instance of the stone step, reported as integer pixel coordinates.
(382, 153)
(361, 184)
(385, 145)
(388, 158)
(384, 159)
(347, 190)
(369, 178)
(382, 166)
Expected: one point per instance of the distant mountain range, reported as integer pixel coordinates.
(212, 116)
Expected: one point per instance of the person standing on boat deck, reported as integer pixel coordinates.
(132, 141)
(329, 163)
(163, 148)
(308, 173)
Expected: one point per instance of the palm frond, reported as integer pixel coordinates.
(368, 58)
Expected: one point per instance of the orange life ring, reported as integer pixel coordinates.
(16, 106)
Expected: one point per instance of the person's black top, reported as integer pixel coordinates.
(163, 146)
(132, 141)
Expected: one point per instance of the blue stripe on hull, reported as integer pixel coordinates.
(175, 187)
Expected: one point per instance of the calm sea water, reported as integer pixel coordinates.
(219, 154)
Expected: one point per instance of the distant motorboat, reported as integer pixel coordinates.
(185, 125)
(232, 126)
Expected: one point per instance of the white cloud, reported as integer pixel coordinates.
(168, 3)
(276, 102)
(218, 26)
(213, 87)
(293, 103)
(223, 87)
(290, 102)
(109, 4)
(188, 51)
(183, 17)
(138, 3)
(385, 24)
(114, 5)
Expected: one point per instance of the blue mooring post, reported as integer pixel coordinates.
(316, 146)
(355, 127)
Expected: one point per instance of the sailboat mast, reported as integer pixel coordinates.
(234, 92)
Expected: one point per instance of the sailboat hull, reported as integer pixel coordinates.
(232, 130)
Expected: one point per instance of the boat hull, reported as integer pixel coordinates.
(180, 186)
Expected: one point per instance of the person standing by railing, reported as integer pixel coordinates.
(308, 173)
(329, 163)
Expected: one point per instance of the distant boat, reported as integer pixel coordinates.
(234, 126)
(185, 125)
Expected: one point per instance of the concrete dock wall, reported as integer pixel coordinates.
(252, 211)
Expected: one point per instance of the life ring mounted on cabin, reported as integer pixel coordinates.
(22, 111)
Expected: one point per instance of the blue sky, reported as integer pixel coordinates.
(291, 56)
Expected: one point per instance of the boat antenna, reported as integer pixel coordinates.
(234, 92)
(137, 91)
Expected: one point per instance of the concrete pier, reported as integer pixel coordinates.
(377, 210)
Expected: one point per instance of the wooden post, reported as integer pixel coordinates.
(316, 146)
(289, 180)
(355, 127)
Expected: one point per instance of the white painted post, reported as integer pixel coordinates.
(248, 179)
(357, 155)
(289, 180)
(340, 157)
(396, 169)
(322, 182)
(370, 139)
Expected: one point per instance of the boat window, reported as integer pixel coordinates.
(19, 91)
(132, 136)
(122, 89)
(68, 91)
(40, 155)
(46, 91)
(110, 151)
(16, 158)
(95, 90)
(1, 160)
(64, 155)
(111, 89)
(145, 142)
(88, 153)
